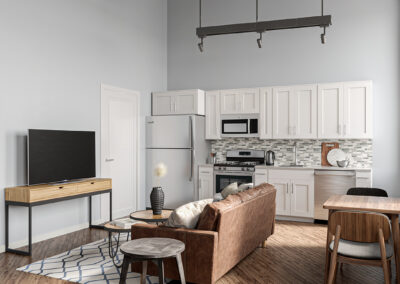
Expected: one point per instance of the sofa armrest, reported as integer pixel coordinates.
(199, 257)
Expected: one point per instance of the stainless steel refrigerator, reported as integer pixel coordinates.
(179, 143)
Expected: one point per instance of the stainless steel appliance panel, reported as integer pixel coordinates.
(328, 183)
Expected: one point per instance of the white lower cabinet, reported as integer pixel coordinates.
(206, 182)
(295, 192)
(364, 178)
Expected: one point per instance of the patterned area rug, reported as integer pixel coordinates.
(89, 263)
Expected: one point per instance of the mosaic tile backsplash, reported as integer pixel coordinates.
(308, 151)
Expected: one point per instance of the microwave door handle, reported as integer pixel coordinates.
(191, 147)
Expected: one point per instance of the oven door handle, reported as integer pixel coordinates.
(249, 174)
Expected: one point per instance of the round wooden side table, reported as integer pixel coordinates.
(115, 229)
(148, 217)
(153, 249)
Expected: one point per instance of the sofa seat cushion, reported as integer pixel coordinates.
(361, 250)
(187, 215)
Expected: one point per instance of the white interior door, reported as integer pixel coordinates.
(120, 148)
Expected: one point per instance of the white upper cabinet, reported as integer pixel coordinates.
(304, 109)
(345, 110)
(265, 121)
(178, 102)
(357, 114)
(213, 118)
(281, 112)
(330, 110)
(240, 101)
(295, 112)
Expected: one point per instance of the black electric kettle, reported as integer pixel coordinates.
(270, 158)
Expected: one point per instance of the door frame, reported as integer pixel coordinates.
(104, 203)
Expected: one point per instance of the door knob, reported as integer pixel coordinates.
(109, 160)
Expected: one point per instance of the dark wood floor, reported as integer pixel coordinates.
(295, 254)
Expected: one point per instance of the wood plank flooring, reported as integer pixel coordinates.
(294, 254)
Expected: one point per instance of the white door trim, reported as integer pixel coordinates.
(103, 152)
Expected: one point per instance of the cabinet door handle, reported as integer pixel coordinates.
(345, 129)
(295, 130)
(287, 188)
(175, 107)
(340, 129)
(292, 187)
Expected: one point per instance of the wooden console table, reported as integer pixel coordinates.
(30, 196)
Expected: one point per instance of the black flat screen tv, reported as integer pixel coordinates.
(58, 156)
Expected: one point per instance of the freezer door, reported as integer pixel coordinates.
(168, 132)
(176, 185)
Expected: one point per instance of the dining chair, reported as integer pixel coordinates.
(367, 191)
(359, 238)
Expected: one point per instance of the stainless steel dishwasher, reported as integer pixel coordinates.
(328, 183)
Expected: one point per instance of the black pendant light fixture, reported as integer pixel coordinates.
(322, 21)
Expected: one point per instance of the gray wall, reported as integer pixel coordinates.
(54, 55)
(363, 43)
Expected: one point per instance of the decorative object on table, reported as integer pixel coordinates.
(156, 250)
(187, 215)
(325, 148)
(212, 158)
(125, 223)
(148, 217)
(343, 163)
(89, 263)
(335, 155)
(157, 194)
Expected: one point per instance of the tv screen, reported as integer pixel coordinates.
(55, 155)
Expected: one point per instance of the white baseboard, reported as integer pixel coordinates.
(50, 235)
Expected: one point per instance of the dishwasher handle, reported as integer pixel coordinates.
(335, 173)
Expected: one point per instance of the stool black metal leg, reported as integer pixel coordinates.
(124, 272)
(144, 272)
(160, 271)
(180, 268)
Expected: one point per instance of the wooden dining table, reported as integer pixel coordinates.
(386, 205)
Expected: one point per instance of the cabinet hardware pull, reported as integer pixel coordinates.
(92, 182)
(287, 188)
(60, 187)
(292, 187)
(345, 129)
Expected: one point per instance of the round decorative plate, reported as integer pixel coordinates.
(335, 155)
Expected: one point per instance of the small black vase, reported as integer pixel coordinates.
(157, 200)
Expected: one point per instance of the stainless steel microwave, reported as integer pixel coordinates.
(239, 126)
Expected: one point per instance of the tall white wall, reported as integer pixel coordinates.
(54, 54)
(363, 43)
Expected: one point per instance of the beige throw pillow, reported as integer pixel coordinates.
(245, 186)
(230, 189)
(187, 215)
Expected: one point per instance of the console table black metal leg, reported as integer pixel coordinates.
(110, 206)
(90, 212)
(8, 249)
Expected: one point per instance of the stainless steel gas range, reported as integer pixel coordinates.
(239, 167)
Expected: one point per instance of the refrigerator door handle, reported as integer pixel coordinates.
(191, 148)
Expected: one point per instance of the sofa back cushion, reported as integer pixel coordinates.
(208, 219)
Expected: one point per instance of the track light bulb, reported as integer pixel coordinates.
(259, 41)
(200, 45)
(323, 37)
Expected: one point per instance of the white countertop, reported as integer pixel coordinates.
(312, 168)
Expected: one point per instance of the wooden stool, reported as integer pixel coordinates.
(154, 249)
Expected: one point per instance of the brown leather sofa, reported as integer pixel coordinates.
(226, 233)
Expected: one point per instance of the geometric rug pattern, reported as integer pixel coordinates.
(89, 263)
